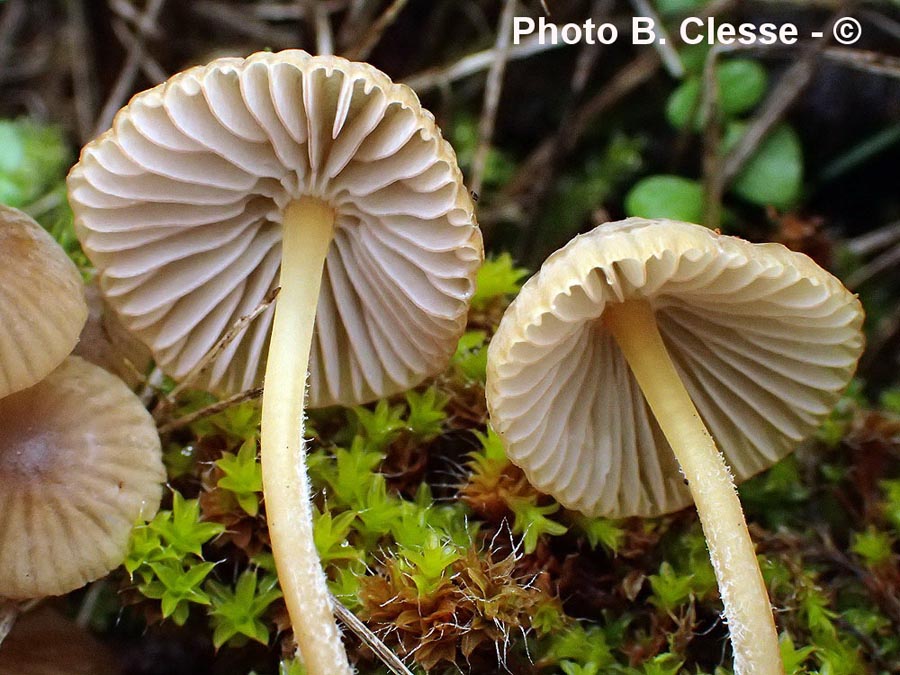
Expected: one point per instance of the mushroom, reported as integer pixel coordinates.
(210, 183)
(44, 642)
(42, 302)
(637, 336)
(80, 462)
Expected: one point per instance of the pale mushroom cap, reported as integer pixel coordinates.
(763, 338)
(42, 307)
(80, 462)
(179, 206)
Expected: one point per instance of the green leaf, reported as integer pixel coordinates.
(426, 413)
(145, 547)
(497, 277)
(890, 400)
(892, 504)
(330, 536)
(33, 158)
(176, 587)
(470, 358)
(181, 527)
(243, 476)
(679, 7)
(792, 657)
(873, 546)
(532, 522)
(429, 565)
(237, 613)
(670, 590)
(599, 531)
(774, 174)
(666, 196)
(741, 84)
(382, 425)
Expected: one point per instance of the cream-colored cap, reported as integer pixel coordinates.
(80, 462)
(179, 206)
(42, 307)
(764, 339)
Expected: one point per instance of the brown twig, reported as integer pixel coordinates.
(359, 15)
(133, 58)
(151, 68)
(868, 61)
(667, 54)
(209, 410)
(492, 90)
(83, 74)
(12, 19)
(317, 15)
(373, 35)
(277, 11)
(564, 138)
(243, 22)
(518, 196)
(888, 260)
(780, 99)
(875, 240)
(436, 78)
(209, 358)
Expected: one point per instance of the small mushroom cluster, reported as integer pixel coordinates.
(323, 179)
(80, 458)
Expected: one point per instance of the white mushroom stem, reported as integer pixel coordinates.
(308, 228)
(744, 596)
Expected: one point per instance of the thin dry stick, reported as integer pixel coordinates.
(276, 11)
(712, 136)
(317, 15)
(493, 88)
(872, 62)
(889, 260)
(372, 641)
(436, 78)
(81, 58)
(373, 35)
(217, 407)
(633, 75)
(11, 21)
(670, 58)
(718, 171)
(149, 66)
(358, 16)
(209, 358)
(782, 97)
(133, 58)
(875, 240)
(562, 140)
(241, 21)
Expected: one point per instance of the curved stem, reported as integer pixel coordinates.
(747, 608)
(308, 228)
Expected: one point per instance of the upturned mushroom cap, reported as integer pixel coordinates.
(42, 307)
(763, 338)
(80, 462)
(180, 204)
